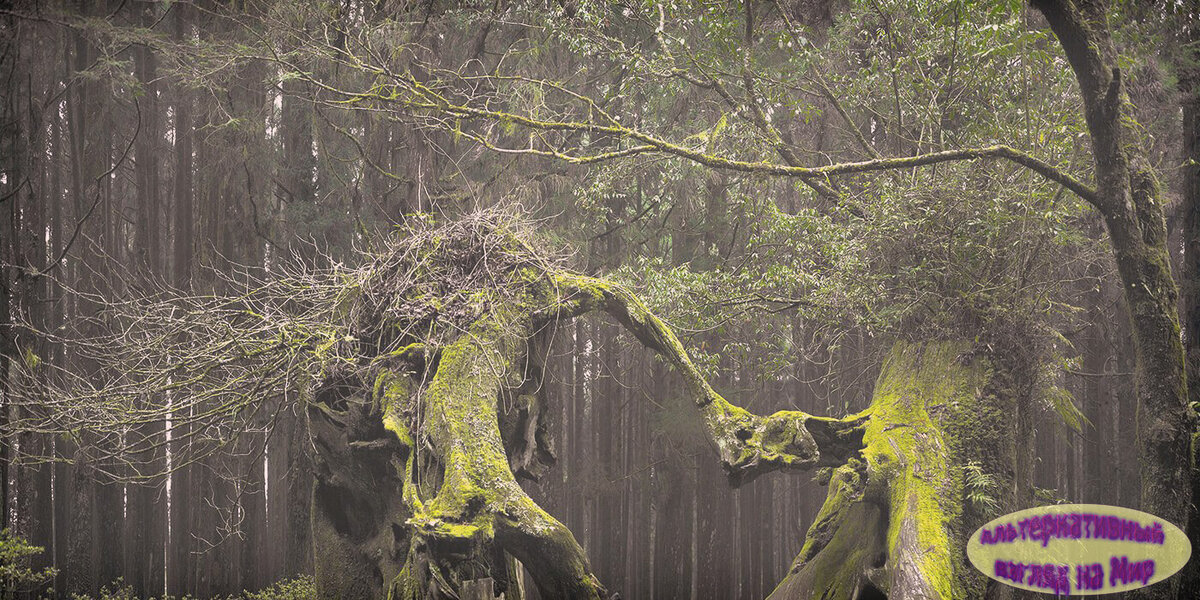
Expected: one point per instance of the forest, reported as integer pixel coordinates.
(588, 299)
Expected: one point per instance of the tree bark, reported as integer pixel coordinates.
(1189, 88)
(896, 518)
(178, 553)
(1128, 196)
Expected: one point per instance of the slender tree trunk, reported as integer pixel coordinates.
(1189, 88)
(254, 503)
(12, 155)
(109, 509)
(80, 560)
(183, 229)
(145, 530)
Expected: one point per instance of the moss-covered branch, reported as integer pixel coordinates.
(418, 97)
(748, 444)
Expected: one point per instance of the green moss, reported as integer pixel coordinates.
(748, 444)
(392, 391)
(908, 450)
(462, 424)
(846, 539)
(897, 506)
(405, 586)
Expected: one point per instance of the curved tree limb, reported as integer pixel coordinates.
(749, 445)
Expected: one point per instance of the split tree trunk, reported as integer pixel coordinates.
(400, 513)
(896, 519)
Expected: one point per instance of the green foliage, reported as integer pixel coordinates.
(1050, 392)
(975, 249)
(1047, 497)
(1062, 402)
(298, 588)
(980, 489)
(980, 249)
(116, 590)
(15, 573)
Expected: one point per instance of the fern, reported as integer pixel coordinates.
(978, 488)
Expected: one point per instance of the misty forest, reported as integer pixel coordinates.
(587, 299)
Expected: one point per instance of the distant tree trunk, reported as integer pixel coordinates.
(110, 124)
(22, 218)
(80, 560)
(43, 235)
(299, 481)
(144, 526)
(179, 557)
(148, 250)
(1099, 445)
(80, 566)
(229, 487)
(12, 156)
(254, 506)
(290, 499)
(296, 189)
(183, 197)
(1189, 88)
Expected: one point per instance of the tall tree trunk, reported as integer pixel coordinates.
(144, 531)
(12, 155)
(109, 508)
(88, 156)
(1128, 197)
(254, 506)
(181, 497)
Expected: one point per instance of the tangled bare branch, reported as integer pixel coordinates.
(160, 366)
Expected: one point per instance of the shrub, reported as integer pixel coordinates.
(15, 573)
